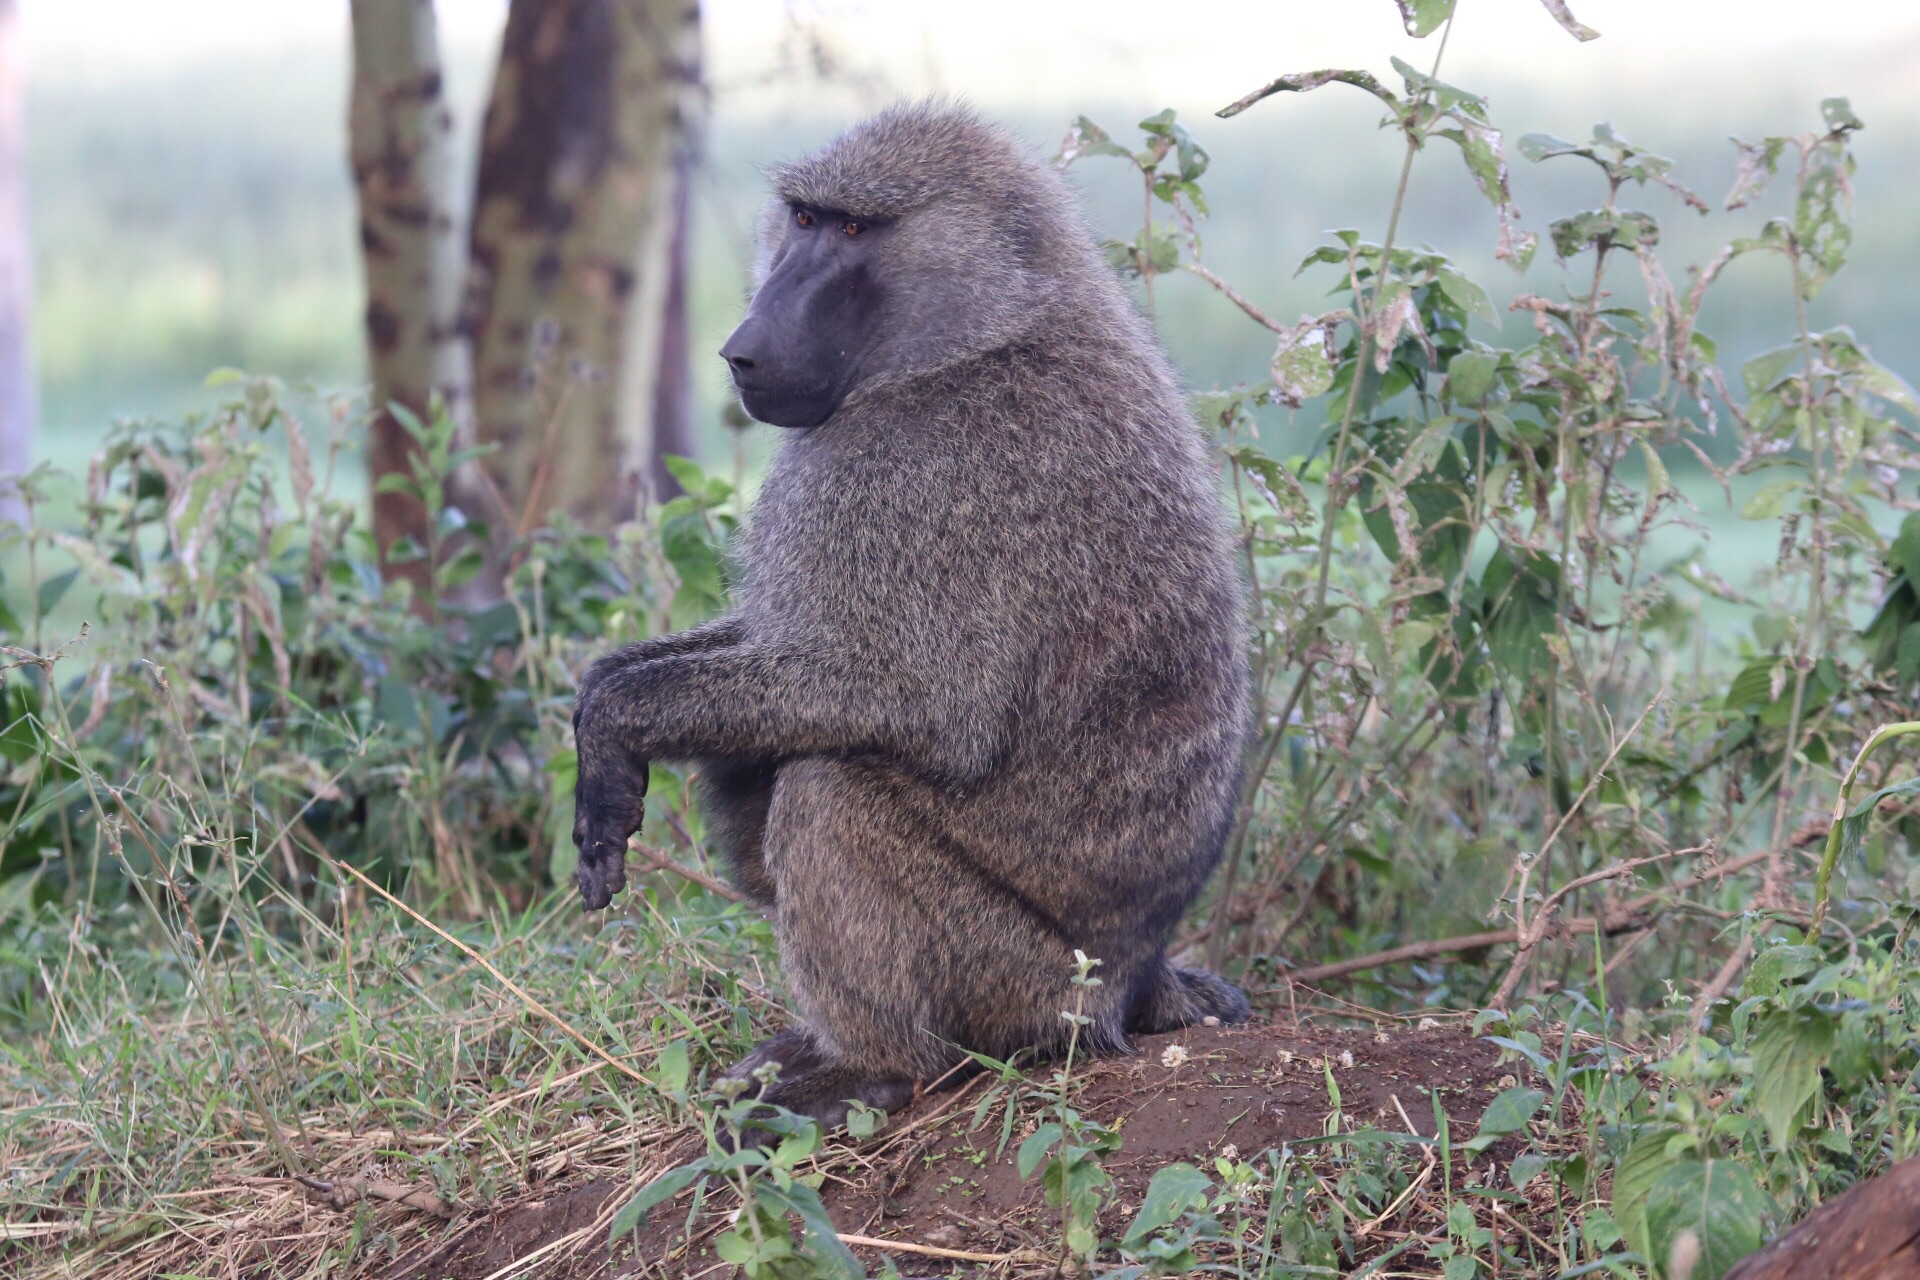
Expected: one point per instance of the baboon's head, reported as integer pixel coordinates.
(917, 238)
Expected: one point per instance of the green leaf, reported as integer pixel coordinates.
(1467, 295)
(1423, 17)
(672, 1069)
(52, 590)
(1507, 1113)
(1853, 827)
(1719, 1203)
(663, 1188)
(462, 569)
(1470, 376)
(1035, 1148)
(1772, 500)
(832, 1259)
(1303, 364)
(1903, 554)
(1525, 1168)
(1633, 1179)
(1789, 1048)
(1838, 113)
(1174, 1189)
(1776, 966)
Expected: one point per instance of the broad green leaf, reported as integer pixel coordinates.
(668, 1185)
(1174, 1189)
(832, 1259)
(52, 590)
(1035, 1148)
(1772, 500)
(1719, 1203)
(1470, 376)
(1789, 1048)
(1853, 827)
(1467, 295)
(1648, 1158)
(1507, 1113)
(1525, 1168)
(672, 1069)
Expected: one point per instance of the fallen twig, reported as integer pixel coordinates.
(344, 1193)
(954, 1255)
(661, 860)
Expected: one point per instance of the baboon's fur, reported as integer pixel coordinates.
(982, 697)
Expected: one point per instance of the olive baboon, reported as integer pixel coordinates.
(981, 699)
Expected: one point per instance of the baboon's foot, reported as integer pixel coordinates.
(810, 1083)
(1178, 998)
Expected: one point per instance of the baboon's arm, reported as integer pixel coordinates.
(757, 701)
(714, 633)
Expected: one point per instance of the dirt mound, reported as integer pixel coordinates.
(935, 1180)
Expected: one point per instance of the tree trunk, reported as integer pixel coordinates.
(656, 395)
(574, 165)
(18, 403)
(401, 146)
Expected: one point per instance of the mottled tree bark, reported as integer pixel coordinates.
(587, 108)
(19, 409)
(401, 146)
(656, 395)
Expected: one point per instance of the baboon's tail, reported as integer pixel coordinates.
(1176, 997)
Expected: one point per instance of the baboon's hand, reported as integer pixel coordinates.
(605, 813)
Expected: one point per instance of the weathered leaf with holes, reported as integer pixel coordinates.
(1757, 163)
(1423, 17)
(1085, 138)
(1789, 1048)
(1303, 363)
(1307, 81)
(1838, 113)
(1719, 1203)
(1564, 16)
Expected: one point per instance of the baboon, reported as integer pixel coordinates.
(981, 699)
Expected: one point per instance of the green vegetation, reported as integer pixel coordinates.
(284, 901)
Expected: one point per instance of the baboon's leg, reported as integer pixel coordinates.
(903, 951)
(734, 797)
(1172, 998)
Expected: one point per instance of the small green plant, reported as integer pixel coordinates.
(1072, 1147)
(758, 1151)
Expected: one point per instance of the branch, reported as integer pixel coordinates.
(1622, 919)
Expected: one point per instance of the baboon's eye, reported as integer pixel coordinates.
(801, 218)
(851, 227)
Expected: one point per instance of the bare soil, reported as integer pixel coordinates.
(935, 1180)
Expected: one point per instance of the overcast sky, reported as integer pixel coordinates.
(1000, 50)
